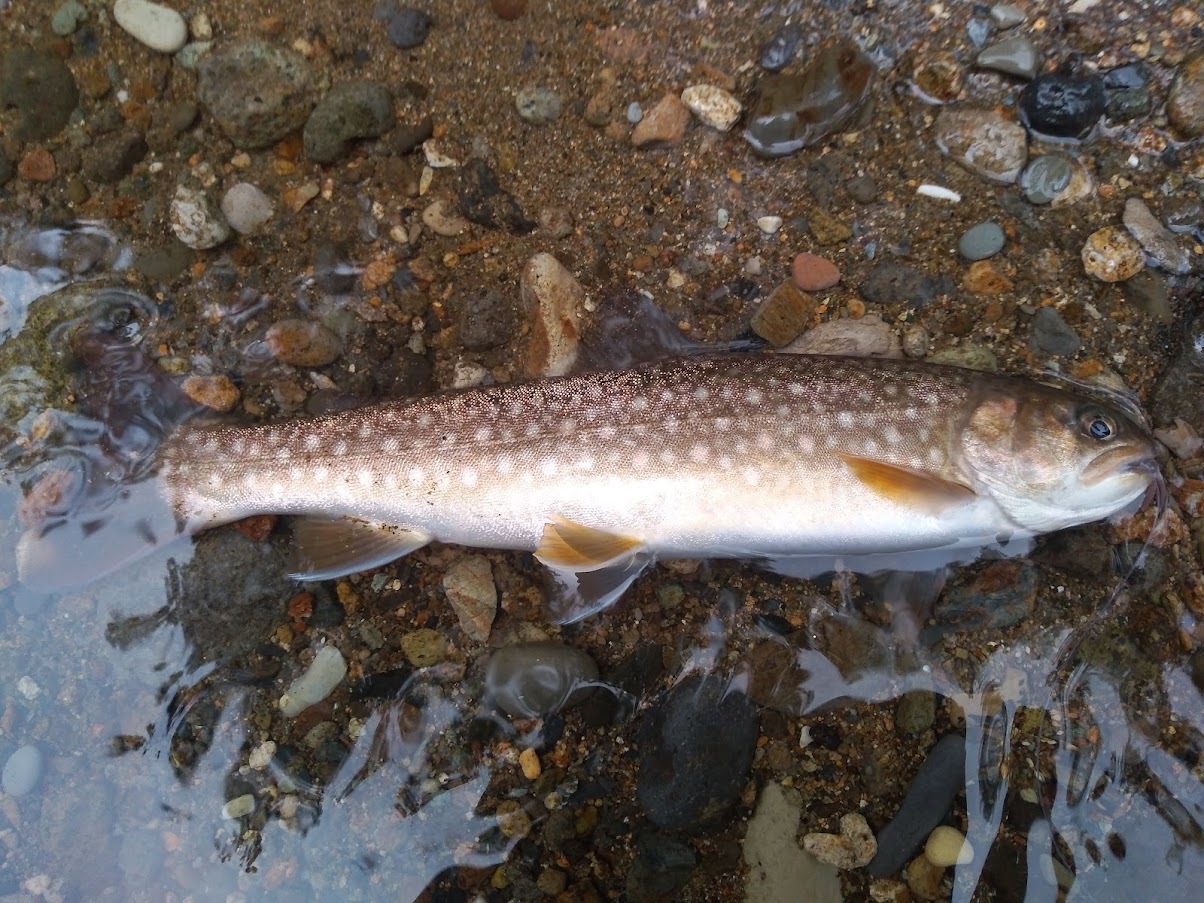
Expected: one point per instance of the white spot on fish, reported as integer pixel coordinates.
(753, 396)
(924, 434)
(566, 427)
(532, 430)
(424, 420)
(322, 474)
(415, 476)
(795, 389)
(639, 460)
(443, 481)
(741, 447)
(725, 463)
(845, 419)
(892, 435)
(765, 441)
(312, 442)
(723, 424)
(215, 481)
(699, 453)
(365, 477)
(211, 444)
(891, 389)
(505, 465)
(871, 447)
(483, 434)
(911, 413)
(586, 463)
(390, 480)
(549, 466)
(469, 477)
(295, 473)
(277, 490)
(671, 424)
(666, 396)
(667, 456)
(639, 403)
(238, 446)
(752, 476)
(391, 446)
(935, 456)
(783, 410)
(340, 449)
(807, 444)
(701, 393)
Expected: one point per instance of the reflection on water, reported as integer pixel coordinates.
(152, 697)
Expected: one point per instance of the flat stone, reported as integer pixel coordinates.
(442, 221)
(784, 315)
(470, 590)
(1060, 105)
(196, 220)
(1045, 178)
(984, 141)
(302, 343)
(664, 124)
(813, 273)
(781, 48)
(556, 303)
(483, 201)
(114, 156)
(1007, 15)
(22, 771)
(891, 282)
(982, 278)
(981, 241)
(777, 868)
(246, 208)
(852, 848)
(152, 24)
(948, 846)
(538, 105)
(42, 89)
(324, 673)
(1163, 249)
(37, 166)
(533, 679)
(867, 337)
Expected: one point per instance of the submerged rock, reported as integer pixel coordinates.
(483, 200)
(795, 111)
(531, 679)
(662, 866)
(984, 141)
(777, 868)
(1185, 103)
(696, 746)
(352, 110)
(780, 49)
(1063, 106)
(319, 680)
(42, 89)
(257, 92)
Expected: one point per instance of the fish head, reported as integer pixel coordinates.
(1053, 459)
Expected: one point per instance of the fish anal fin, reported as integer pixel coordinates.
(570, 546)
(917, 489)
(334, 547)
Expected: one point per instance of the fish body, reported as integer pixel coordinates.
(743, 456)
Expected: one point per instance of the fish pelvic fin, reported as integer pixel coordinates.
(326, 548)
(591, 568)
(919, 489)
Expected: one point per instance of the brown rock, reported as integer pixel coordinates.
(216, 392)
(924, 878)
(664, 124)
(983, 279)
(36, 166)
(508, 9)
(300, 343)
(784, 315)
(1185, 103)
(1111, 254)
(827, 229)
(813, 273)
(556, 303)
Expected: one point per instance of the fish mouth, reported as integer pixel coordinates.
(1118, 462)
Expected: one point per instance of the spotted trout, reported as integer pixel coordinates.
(769, 457)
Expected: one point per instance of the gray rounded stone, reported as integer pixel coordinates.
(1045, 178)
(1016, 55)
(982, 241)
(257, 92)
(22, 771)
(358, 109)
(538, 105)
(531, 679)
(67, 18)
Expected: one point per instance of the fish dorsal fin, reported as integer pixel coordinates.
(918, 489)
(333, 547)
(570, 546)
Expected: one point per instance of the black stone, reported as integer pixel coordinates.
(1053, 335)
(1063, 106)
(696, 746)
(42, 89)
(405, 26)
(628, 682)
(1128, 91)
(487, 321)
(484, 202)
(779, 50)
(111, 158)
(932, 791)
(663, 865)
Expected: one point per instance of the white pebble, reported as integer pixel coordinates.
(769, 224)
(196, 220)
(246, 208)
(322, 676)
(152, 24)
(435, 158)
(239, 806)
(22, 771)
(947, 846)
(713, 105)
(938, 192)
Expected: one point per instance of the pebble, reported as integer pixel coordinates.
(1046, 178)
(319, 680)
(916, 341)
(867, 337)
(424, 647)
(487, 320)
(769, 224)
(528, 761)
(298, 196)
(239, 807)
(405, 26)
(196, 220)
(246, 208)
(713, 105)
(696, 747)
(37, 166)
(68, 17)
(352, 110)
(258, 93)
(1007, 15)
(1053, 335)
(41, 88)
(931, 793)
(1080, 186)
(557, 222)
(982, 278)
(915, 712)
(1057, 105)
(1128, 92)
(663, 865)
(302, 343)
(528, 680)
(664, 124)
(468, 585)
(984, 141)
(512, 819)
(1185, 103)
(1161, 246)
(852, 848)
(777, 868)
(538, 105)
(22, 771)
(799, 110)
(1016, 55)
(948, 846)
(216, 392)
(557, 306)
(508, 10)
(158, 27)
(862, 189)
(924, 879)
(112, 157)
(634, 112)
(826, 228)
(981, 241)
(784, 315)
(442, 221)
(813, 273)
(552, 882)
(969, 355)
(781, 48)
(1111, 254)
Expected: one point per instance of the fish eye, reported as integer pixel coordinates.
(1097, 426)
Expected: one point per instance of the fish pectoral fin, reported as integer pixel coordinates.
(334, 547)
(566, 545)
(579, 594)
(919, 489)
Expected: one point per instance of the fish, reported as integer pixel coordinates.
(776, 458)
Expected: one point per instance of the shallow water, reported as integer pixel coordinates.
(152, 696)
